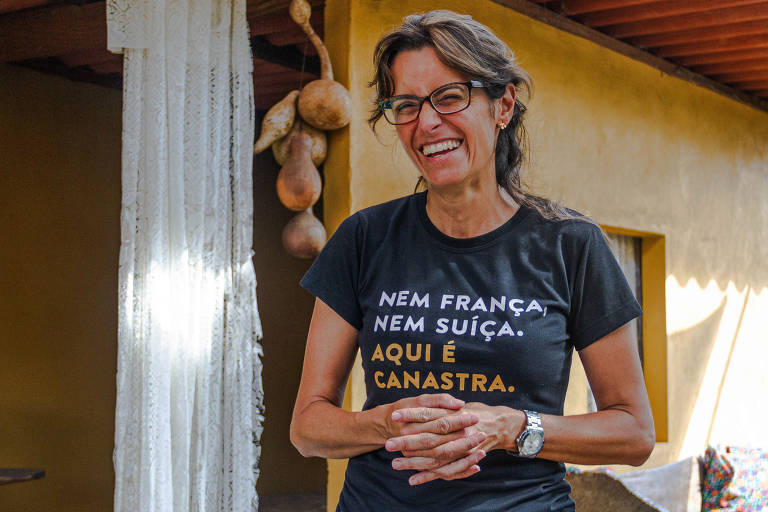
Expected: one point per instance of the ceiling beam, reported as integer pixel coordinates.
(657, 10)
(678, 23)
(276, 23)
(572, 7)
(732, 67)
(561, 22)
(51, 31)
(17, 5)
(716, 57)
(724, 44)
(741, 76)
(698, 35)
(287, 56)
(753, 85)
(52, 66)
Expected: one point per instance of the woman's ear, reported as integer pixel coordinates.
(507, 104)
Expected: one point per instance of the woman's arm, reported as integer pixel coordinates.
(321, 428)
(620, 432)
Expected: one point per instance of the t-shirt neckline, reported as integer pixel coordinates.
(465, 244)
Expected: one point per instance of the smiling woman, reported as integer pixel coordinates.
(466, 301)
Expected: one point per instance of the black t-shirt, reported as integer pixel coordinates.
(489, 319)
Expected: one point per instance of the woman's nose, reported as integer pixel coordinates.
(428, 117)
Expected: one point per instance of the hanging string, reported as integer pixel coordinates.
(303, 62)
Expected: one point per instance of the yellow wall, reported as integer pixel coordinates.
(59, 241)
(633, 148)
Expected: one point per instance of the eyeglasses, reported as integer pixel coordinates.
(446, 99)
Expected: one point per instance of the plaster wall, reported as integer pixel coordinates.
(60, 145)
(633, 148)
(59, 241)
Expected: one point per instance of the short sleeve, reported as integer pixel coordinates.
(333, 277)
(601, 299)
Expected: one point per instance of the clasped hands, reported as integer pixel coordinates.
(443, 437)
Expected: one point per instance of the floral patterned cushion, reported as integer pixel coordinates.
(735, 479)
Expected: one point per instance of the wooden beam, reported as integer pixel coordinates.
(112, 66)
(732, 67)
(290, 79)
(276, 23)
(256, 8)
(285, 56)
(52, 66)
(741, 76)
(716, 57)
(752, 85)
(712, 18)
(561, 22)
(266, 101)
(656, 10)
(290, 37)
(262, 67)
(52, 31)
(698, 35)
(17, 5)
(572, 7)
(87, 57)
(722, 44)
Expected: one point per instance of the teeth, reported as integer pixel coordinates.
(440, 146)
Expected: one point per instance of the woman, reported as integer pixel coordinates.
(466, 301)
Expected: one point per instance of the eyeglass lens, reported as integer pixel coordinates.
(448, 99)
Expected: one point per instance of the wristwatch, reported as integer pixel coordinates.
(531, 441)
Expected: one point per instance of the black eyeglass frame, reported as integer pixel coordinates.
(387, 103)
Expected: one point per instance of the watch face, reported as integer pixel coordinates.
(531, 443)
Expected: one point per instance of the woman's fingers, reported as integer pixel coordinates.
(440, 400)
(422, 441)
(431, 401)
(428, 476)
(437, 421)
(451, 450)
(461, 468)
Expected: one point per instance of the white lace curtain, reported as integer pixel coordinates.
(189, 396)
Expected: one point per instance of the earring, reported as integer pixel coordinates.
(502, 125)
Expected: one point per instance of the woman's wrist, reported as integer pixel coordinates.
(377, 421)
(507, 425)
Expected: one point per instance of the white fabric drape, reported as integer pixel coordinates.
(189, 396)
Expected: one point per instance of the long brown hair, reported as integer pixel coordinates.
(471, 48)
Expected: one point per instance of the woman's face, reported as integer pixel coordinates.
(469, 135)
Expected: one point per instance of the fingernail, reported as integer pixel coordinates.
(478, 469)
(481, 454)
(396, 464)
(397, 415)
(413, 481)
(480, 437)
(390, 445)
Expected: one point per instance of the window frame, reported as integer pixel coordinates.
(654, 322)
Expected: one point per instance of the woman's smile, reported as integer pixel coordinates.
(440, 147)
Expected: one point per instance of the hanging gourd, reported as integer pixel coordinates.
(304, 236)
(323, 103)
(277, 122)
(282, 147)
(298, 184)
(299, 144)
